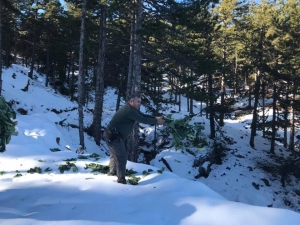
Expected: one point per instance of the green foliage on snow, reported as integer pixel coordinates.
(97, 168)
(130, 172)
(66, 167)
(18, 175)
(35, 170)
(184, 135)
(133, 180)
(94, 155)
(70, 160)
(161, 171)
(147, 172)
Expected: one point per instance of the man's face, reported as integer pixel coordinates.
(135, 103)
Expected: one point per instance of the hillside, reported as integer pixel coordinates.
(48, 115)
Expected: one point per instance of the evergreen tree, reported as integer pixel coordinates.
(227, 44)
(260, 24)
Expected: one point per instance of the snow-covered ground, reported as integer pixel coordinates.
(236, 192)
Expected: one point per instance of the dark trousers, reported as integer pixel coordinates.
(118, 155)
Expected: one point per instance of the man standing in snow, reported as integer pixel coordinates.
(120, 128)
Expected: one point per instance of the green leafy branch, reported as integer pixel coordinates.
(95, 167)
(35, 170)
(184, 135)
(67, 167)
(94, 155)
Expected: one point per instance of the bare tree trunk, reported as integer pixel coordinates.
(131, 55)
(179, 99)
(138, 48)
(272, 149)
(48, 67)
(263, 107)
(0, 47)
(236, 74)
(249, 96)
(285, 142)
(122, 80)
(97, 115)
(224, 58)
(211, 105)
(222, 101)
(207, 99)
(292, 121)
(191, 96)
(132, 141)
(30, 74)
(72, 82)
(187, 103)
(81, 77)
(171, 86)
(254, 120)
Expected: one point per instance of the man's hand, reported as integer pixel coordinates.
(160, 120)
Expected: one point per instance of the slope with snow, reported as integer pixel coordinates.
(84, 197)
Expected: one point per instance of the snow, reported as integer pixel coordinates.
(227, 196)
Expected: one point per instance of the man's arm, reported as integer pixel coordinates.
(144, 118)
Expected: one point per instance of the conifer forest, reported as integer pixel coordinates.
(210, 51)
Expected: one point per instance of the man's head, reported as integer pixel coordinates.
(135, 100)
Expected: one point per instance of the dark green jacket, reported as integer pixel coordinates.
(125, 117)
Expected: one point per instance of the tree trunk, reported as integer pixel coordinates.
(236, 74)
(97, 115)
(131, 55)
(286, 106)
(272, 149)
(81, 77)
(249, 96)
(292, 121)
(171, 86)
(191, 104)
(211, 105)
(207, 99)
(222, 101)
(137, 59)
(134, 86)
(72, 84)
(254, 120)
(122, 80)
(179, 99)
(0, 47)
(224, 58)
(30, 74)
(263, 108)
(48, 67)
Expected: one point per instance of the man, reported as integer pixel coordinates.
(120, 128)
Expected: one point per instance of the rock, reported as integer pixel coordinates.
(255, 185)
(267, 183)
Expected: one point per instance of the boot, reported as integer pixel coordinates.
(122, 180)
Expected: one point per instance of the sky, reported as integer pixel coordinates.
(84, 197)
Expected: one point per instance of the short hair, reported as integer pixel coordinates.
(134, 95)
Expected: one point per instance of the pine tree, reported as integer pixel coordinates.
(260, 24)
(227, 44)
(9, 8)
